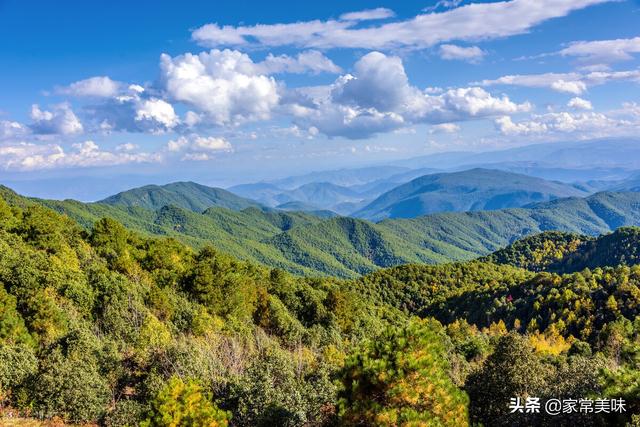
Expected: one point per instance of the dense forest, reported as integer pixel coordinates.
(103, 324)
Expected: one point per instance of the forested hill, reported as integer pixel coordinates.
(568, 252)
(303, 243)
(187, 195)
(105, 325)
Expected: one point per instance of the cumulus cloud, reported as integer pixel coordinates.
(379, 82)
(99, 87)
(469, 54)
(378, 97)
(27, 156)
(466, 23)
(133, 111)
(195, 147)
(352, 123)
(223, 85)
(157, 111)
(590, 123)
(12, 130)
(574, 83)
(61, 120)
(603, 51)
(578, 103)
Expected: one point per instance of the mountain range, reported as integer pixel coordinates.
(305, 243)
(471, 190)
(601, 162)
(342, 191)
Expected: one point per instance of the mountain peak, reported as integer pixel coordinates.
(469, 190)
(185, 194)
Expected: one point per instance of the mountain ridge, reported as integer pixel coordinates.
(470, 190)
(186, 194)
(346, 247)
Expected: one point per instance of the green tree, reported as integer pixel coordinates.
(110, 240)
(69, 385)
(402, 379)
(513, 370)
(12, 328)
(181, 403)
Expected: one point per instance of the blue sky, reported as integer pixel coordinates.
(238, 91)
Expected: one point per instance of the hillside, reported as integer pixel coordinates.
(188, 195)
(471, 190)
(308, 244)
(86, 315)
(567, 253)
(89, 314)
(451, 236)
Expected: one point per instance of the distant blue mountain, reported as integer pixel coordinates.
(471, 190)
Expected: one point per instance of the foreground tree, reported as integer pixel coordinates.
(513, 370)
(402, 379)
(184, 404)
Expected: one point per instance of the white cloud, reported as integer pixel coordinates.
(467, 103)
(377, 97)
(26, 156)
(603, 51)
(157, 111)
(444, 128)
(210, 143)
(195, 147)
(573, 83)
(292, 131)
(352, 123)
(12, 130)
(60, 121)
(561, 82)
(574, 87)
(591, 124)
(379, 82)
(311, 61)
(127, 147)
(191, 118)
(578, 103)
(443, 4)
(196, 157)
(133, 111)
(469, 54)
(466, 23)
(368, 15)
(507, 127)
(223, 85)
(575, 125)
(100, 87)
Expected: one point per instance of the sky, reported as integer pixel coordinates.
(229, 92)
